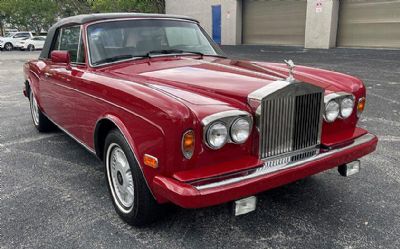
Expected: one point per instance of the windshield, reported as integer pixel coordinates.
(119, 40)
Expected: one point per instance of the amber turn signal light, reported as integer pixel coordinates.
(360, 106)
(188, 144)
(150, 161)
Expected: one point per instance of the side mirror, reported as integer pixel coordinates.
(58, 56)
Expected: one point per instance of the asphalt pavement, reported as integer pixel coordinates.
(53, 192)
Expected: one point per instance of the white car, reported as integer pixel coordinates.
(12, 40)
(32, 44)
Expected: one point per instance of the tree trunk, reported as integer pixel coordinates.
(1, 28)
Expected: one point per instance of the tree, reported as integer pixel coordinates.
(148, 6)
(38, 15)
(73, 7)
(31, 15)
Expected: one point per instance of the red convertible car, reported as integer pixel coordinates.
(174, 120)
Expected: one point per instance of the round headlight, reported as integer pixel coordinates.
(240, 130)
(331, 111)
(217, 135)
(346, 107)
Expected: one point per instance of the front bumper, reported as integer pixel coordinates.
(262, 178)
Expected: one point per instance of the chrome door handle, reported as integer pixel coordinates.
(47, 75)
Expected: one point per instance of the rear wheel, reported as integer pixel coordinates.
(130, 195)
(31, 47)
(8, 46)
(41, 122)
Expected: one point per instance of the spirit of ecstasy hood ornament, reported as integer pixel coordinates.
(291, 67)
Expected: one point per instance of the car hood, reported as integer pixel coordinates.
(214, 81)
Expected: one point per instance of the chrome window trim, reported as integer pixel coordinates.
(123, 19)
(80, 44)
(262, 170)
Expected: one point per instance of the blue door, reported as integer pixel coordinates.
(216, 23)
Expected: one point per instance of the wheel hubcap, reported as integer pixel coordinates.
(34, 109)
(120, 178)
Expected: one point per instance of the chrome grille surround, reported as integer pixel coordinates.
(289, 121)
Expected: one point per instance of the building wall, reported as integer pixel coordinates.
(321, 25)
(231, 16)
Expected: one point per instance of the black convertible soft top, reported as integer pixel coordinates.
(82, 19)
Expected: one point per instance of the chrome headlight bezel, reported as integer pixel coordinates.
(336, 111)
(228, 118)
(209, 142)
(233, 134)
(349, 106)
(338, 97)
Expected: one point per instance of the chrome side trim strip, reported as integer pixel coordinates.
(72, 136)
(112, 104)
(263, 170)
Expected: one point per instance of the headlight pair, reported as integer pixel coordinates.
(224, 129)
(338, 105)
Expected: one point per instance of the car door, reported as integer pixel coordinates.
(58, 87)
(17, 38)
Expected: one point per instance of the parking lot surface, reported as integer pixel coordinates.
(53, 192)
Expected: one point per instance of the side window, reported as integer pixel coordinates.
(24, 35)
(21, 35)
(69, 39)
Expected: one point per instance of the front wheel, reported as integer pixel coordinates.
(8, 46)
(130, 195)
(40, 121)
(31, 47)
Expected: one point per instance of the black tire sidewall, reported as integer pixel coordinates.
(141, 192)
(44, 123)
(7, 45)
(31, 95)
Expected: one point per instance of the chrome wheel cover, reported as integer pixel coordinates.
(34, 109)
(120, 178)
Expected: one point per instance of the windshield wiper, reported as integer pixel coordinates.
(173, 51)
(178, 51)
(148, 55)
(114, 58)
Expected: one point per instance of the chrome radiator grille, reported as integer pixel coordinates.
(289, 124)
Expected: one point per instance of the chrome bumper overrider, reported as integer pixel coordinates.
(266, 168)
